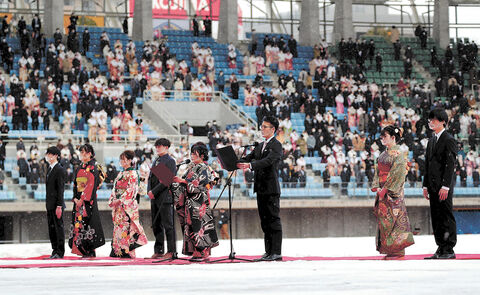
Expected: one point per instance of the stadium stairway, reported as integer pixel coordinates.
(18, 190)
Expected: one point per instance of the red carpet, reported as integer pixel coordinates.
(72, 261)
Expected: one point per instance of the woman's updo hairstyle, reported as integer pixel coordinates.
(201, 149)
(128, 155)
(394, 131)
(88, 148)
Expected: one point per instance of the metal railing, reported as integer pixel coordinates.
(196, 96)
(340, 190)
(25, 192)
(108, 138)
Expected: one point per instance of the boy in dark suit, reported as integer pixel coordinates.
(162, 204)
(438, 183)
(55, 183)
(264, 162)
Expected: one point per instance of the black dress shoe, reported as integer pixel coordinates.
(434, 256)
(273, 257)
(447, 256)
(55, 256)
(264, 256)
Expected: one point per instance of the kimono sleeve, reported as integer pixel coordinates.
(396, 176)
(375, 182)
(199, 182)
(129, 196)
(112, 195)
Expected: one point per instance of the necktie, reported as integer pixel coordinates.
(264, 145)
(434, 142)
(48, 171)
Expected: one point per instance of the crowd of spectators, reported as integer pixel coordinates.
(451, 79)
(94, 98)
(342, 120)
(348, 144)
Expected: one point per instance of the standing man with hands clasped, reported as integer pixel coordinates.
(55, 185)
(264, 162)
(162, 203)
(438, 184)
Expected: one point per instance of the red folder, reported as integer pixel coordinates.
(163, 174)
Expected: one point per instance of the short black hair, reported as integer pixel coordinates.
(440, 114)
(88, 148)
(272, 120)
(53, 150)
(162, 142)
(201, 149)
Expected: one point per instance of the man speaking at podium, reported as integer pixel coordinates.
(264, 162)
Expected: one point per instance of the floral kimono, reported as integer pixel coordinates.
(394, 233)
(86, 233)
(192, 203)
(128, 233)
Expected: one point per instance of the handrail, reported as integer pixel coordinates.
(123, 138)
(196, 96)
(251, 123)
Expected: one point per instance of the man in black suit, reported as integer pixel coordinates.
(3, 154)
(195, 25)
(85, 41)
(162, 203)
(55, 183)
(438, 183)
(264, 162)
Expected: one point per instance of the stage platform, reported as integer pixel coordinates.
(71, 261)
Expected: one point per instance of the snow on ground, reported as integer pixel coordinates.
(296, 277)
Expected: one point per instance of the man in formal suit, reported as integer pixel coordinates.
(85, 41)
(36, 24)
(3, 154)
(264, 161)
(55, 183)
(162, 203)
(438, 183)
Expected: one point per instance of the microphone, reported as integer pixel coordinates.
(255, 144)
(187, 161)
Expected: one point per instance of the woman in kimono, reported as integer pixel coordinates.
(133, 68)
(128, 233)
(116, 122)
(132, 129)
(288, 61)
(246, 67)
(67, 122)
(23, 71)
(253, 64)
(281, 60)
(86, 233)
(192, 203)
(75, 92)
(259, 64)
(394, 233)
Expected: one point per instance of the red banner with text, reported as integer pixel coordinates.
(180, 9)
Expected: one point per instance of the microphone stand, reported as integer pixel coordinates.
(231, 256)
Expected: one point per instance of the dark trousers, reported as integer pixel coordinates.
(163, 225)
(443, 222)
(56, 233)
(269, 211)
